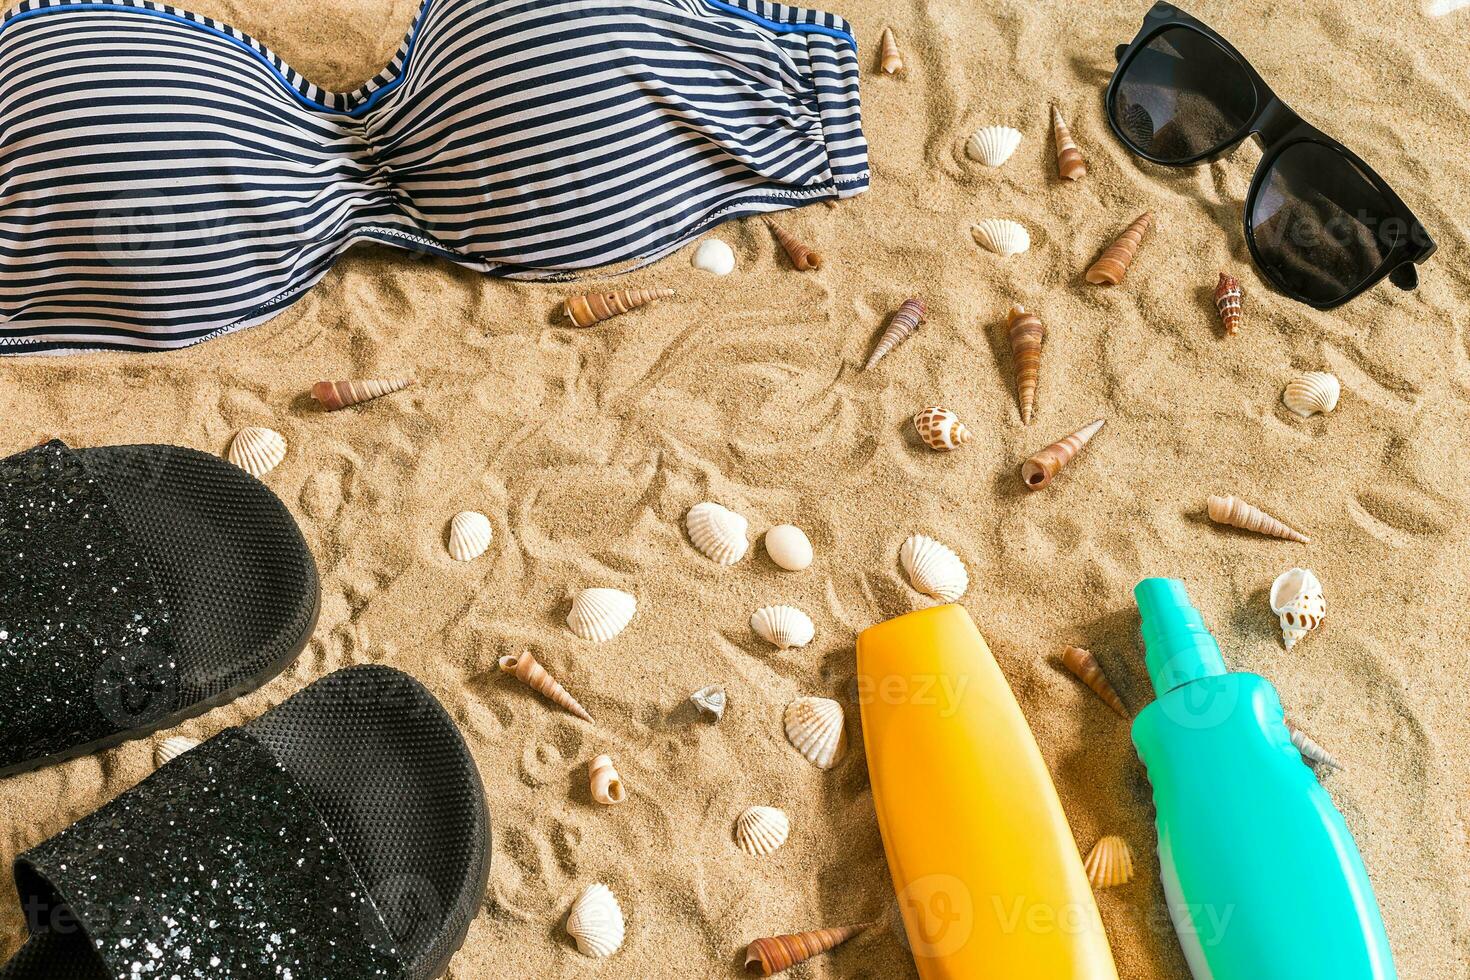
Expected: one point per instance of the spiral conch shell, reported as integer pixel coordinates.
(783, 626)
(1027, 334)
(257, 450)
(1313, 393)
(993, 145)
(888, 57)
(607, 785)
(718, 532)
(818, 730)
(1313, 753)
(1085, 666)
(601, 614)
(801, 257)
(1038, 471)
(1109, 863)
(1001, 236)
(469, 535)
(1113, 264)
(534, 676)
(905, 323)
(934, 569)
(589, 309)
(765, 957)
(941, 429)
(1069, 159)
(1296, 597)
(1238, 513)
(1228, 299)
(335, 395)
(761, 830)
(596, 922)
(171, 748)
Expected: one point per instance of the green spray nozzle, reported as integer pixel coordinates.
(1177, 646)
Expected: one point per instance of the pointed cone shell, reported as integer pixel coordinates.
(596, 922)
(1228, 299)
(1312, 752)
(607, 785)
(335, 395)
(1296, 597)
(1027, 334)
(257, 450)
(941, 429)
(1082, 663)
(934, 569)
(1038, 471)
(889, 58)
(710, 701)
(1109, 863)
(1069, 159)
(1315, 392)
(469, 535)
(532, 674)
(783, 626)
(1237, 513)
(1001, 236)
(592, 308)
(1112, 266)
(761, 830)
(718, 532)
(171, 748)
(818, 730)
(765, 957)
(993, 145)
(601, 614)
(903, 325)
(801, 257)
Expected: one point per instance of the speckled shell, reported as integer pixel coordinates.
(1296, 597)
(607, 786)
(257, 450)
(171, 748)
(710, 701)
(934, 569)
(596, 922)
(1229, 298)
(1002, 236)
(789, 547)
(783, 626)
(1313, 393)
(761, 830)
(714, 256)
(993, 145)
(718, 532)
(941, 429)
(601, 614)
(1110, 863)
(469, 535)
(817, 728)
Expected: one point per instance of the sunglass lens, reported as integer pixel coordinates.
(1182, 96)
(1320, 226)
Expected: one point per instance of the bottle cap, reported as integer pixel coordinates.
(1177, 646)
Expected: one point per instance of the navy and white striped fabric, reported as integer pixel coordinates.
(165, 178)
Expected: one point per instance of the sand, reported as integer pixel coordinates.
(586, 447)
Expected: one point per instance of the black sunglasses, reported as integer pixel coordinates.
(1321, 224)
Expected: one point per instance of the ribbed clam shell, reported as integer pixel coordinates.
(715, 257)
(818, 730)
(257, 450)
(1296, 597)
(469, 535)
(601, 614)
(171, 748)
(761, 830)
(596, 922)
(710, 701)
(1110, 863)
(1002, 236)
(783, 626)
(993, 145)
(718, 532)
(1312, 393)
(934, 569)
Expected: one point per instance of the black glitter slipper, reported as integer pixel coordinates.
(341, 836)
(139, 586)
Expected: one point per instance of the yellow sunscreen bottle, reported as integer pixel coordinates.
(989, 879)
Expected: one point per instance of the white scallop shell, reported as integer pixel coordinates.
(171, 748)
(710, 701)
(783, 626)
(718, 532)
(601, 614)
(761, 830)
(257, 450)
(469, 535)
(1296, 597)
(934, 569)
(596, 922)
(1001, 236)
(789, 547)
(818, 730)
(1313, 392)
(714, 256)
(993, 145)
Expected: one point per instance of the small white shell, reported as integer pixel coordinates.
(469, 535)
(718, 532)
(601, 614)
(171, 748)
(818, 730)
(606, 785)
(257, 450)
(934, 569)
(1003, 237)
(1439, 8)
(714, 256)
(596, 922)
(1313, 392)
(710, 701)
(993, 145)
(1296, 597)
(789, 547)
(783, 626)
(761, 830)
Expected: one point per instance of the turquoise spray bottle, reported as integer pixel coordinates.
(1262, 876)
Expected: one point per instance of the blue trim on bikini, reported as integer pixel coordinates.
(780, 28)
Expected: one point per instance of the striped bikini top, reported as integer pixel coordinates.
(165, 178)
